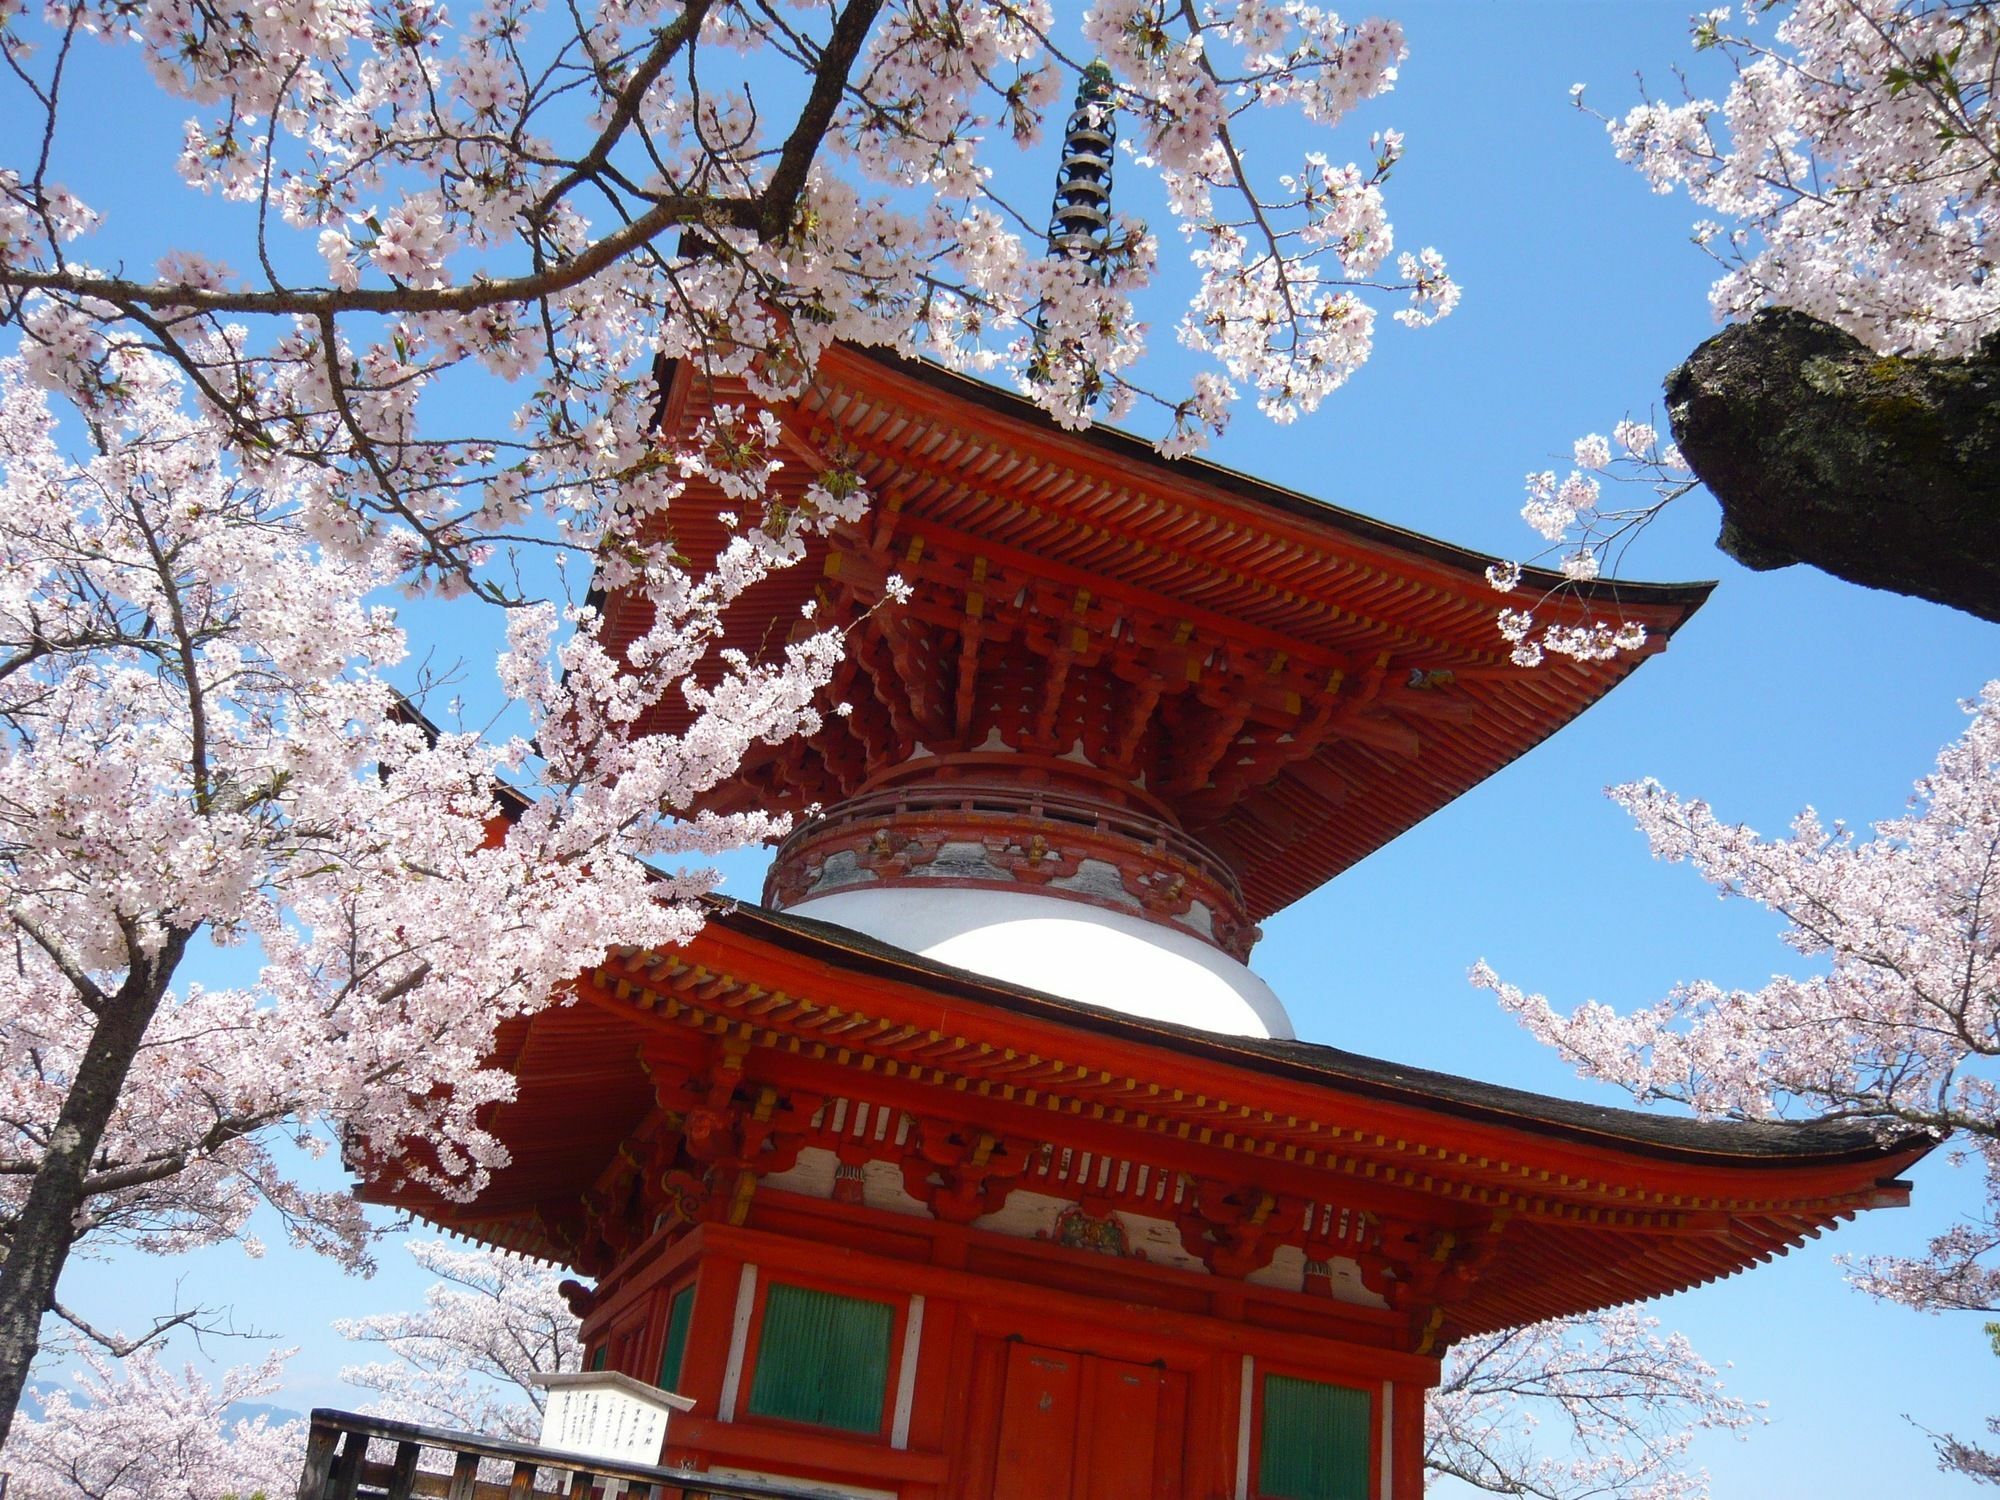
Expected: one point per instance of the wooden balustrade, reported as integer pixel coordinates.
(339, 1466)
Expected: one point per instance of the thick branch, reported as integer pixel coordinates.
(470, 296)
(1881, 470)
(769, 213)
(45, 1229)
(836, 61)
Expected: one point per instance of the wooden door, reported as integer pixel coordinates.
(1116, 1460)
(1078, 1427)
(1038, 1421)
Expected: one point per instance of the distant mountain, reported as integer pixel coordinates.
(37, 1392)
(35, 1397)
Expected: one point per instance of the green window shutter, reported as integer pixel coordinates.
(597, 1359)
(822, 1358)
(1315, 1441)
(679, 1312)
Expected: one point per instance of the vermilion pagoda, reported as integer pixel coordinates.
(975, 1163)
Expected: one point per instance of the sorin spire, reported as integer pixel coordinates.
(1080, 221)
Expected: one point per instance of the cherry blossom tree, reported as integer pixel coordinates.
(136, 1430)
(1897, 1023)
(1850, 182)
(141, 1432)
(489, 1323)
(201, 747)
(557, 198)
(1851, 166)
(1577, 1407)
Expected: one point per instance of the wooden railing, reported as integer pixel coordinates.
(340, 1466)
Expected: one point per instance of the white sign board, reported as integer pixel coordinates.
(603, 1414)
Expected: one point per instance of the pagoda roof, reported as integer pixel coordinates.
(1672, 1137)
(1291, 682)
(955, 392)
(1580, 1206)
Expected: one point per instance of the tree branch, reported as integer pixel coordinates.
(62, 956)
(836, 60)
(668, 42)
(120, 1348)
(315, 302)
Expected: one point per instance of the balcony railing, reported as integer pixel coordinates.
(1005, 805)
(351, 1457)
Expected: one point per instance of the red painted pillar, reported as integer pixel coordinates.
(1406, 1440)
(709, 1331)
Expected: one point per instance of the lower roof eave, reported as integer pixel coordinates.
(1608, 1237)
(1743, 1143)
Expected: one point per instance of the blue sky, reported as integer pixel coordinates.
(1581, 291)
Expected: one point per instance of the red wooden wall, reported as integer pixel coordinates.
(998, 1387)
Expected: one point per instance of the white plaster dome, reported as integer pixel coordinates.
(1066, 947)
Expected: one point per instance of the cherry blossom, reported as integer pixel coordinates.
(1851, 162)
(560, 199)
(490, 1323)
(1895, 1019)
(199, 745)
(137, 1430)
(1587, 535)
(1583, 1406)
(141, 1432)
(1848, 173)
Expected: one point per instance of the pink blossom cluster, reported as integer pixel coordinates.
(1280, 303)
(466, 1360)
(198, 740)
(1851, 169)
(557, 200)
(1595, 1405)
(1850, 166)
(1895, 1018)
(139, 1431)
(1583, 532)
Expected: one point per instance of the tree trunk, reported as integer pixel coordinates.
(46, 1227)
(1881, 470)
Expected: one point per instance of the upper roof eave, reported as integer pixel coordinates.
(1132, 449)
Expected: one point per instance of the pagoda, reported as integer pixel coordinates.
(975, 1162)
